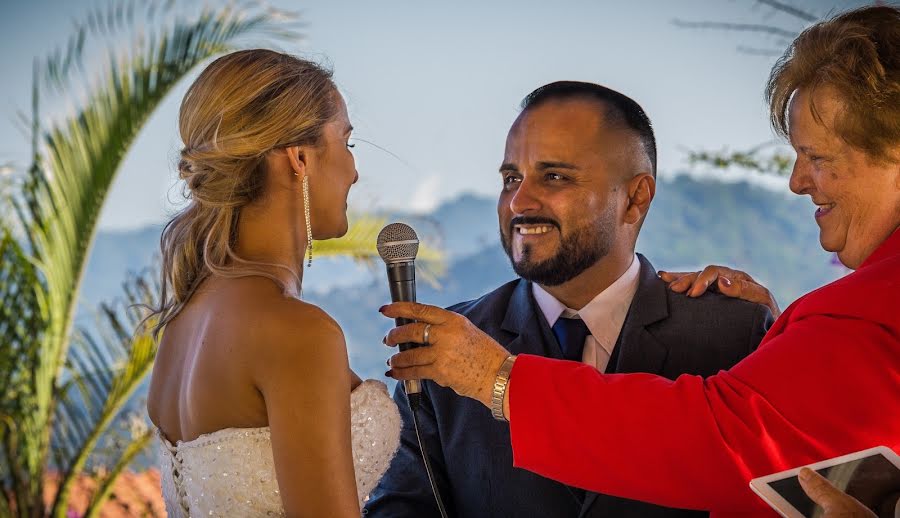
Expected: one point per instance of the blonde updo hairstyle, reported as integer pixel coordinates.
(241, 107)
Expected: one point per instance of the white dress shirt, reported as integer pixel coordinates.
(604, 315)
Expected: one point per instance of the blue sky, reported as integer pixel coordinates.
(438, 84)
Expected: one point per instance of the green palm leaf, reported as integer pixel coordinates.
(101, 375)
(359, 243)
(134, 448)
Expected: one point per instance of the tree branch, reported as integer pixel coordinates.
(742, 27)
(753, 51)
(777, 163)
(789, 9)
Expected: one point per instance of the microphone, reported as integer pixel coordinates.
(398, 245)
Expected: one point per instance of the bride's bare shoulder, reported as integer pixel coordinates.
(298, 322)
(287, 332)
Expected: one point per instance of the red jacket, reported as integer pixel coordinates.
(824, 382)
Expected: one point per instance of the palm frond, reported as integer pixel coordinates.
(134, 448)
(21, 325)
(361, 238)
(103, 373)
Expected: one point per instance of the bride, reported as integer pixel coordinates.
(257, 410)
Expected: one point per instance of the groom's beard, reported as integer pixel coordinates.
(577, 251)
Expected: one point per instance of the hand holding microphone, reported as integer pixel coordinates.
(398, 245)
(459, 355)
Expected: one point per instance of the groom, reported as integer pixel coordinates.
(578, 178)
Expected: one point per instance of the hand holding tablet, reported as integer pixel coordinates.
(834, 502)
(871, 477)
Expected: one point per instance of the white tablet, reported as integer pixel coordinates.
(870, 476)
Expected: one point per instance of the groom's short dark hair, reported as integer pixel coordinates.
(621, 110)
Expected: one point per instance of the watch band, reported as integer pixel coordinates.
(500, 384)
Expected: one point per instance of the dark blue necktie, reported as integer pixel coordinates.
(571, 333)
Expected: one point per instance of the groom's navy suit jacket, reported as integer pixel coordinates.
(665, 333)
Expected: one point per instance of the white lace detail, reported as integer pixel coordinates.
(231, 472)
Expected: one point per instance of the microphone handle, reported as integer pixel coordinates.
(402, 281)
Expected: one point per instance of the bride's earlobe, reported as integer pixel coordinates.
(297, 158)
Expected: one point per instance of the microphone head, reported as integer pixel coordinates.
(397, 242)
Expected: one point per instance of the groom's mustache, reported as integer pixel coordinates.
(532, 220)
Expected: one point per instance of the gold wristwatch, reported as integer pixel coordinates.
(500, 384)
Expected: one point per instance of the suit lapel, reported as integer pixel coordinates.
(637, 350)
(524, 319)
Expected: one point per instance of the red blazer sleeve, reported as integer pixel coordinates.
(825, 386)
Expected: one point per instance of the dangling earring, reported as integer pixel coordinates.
(309, 239)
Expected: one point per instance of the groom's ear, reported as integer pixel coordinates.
(298, 156)
(641, 189)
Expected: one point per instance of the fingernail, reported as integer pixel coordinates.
(382, 308)
(805, 474)
(388, 373)
(388, 362)
(384, 340)
(726, 281)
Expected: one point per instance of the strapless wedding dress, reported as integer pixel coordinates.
(231, 472)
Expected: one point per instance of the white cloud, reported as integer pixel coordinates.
(427, 195)
(6, 169)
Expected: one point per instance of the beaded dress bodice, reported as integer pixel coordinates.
(231, 472)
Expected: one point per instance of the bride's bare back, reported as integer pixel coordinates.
(242, 355)
(203, 379)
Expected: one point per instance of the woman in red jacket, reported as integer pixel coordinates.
(824, 382)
